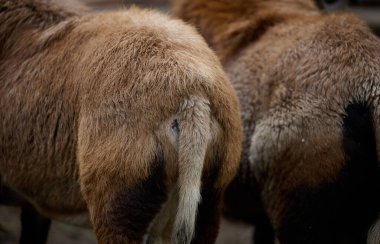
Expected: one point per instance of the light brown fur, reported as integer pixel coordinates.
(295, 71)
(88, 101)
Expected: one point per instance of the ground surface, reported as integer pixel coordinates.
(230, 233)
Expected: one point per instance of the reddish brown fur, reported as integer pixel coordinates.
(295, 70)
(87, 101)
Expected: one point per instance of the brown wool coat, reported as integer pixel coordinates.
(308, 85)
(115, 114)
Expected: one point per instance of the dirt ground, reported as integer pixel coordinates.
(60, 233)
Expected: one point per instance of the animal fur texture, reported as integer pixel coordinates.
(121, 115)
(309, 86)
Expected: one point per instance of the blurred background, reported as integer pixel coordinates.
(367, 9)
(230, 232)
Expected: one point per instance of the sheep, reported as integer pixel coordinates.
(308, 84)
(126, 116)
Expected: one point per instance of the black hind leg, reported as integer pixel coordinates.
(208, 217)
(34, 227)
(264, 233)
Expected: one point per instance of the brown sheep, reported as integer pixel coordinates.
(127, 116)
(309, 88)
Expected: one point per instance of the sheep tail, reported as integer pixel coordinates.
(194, 137)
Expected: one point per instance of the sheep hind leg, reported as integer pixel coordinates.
(209, 212)
(263, 233)
(34, 227)
(123, 214)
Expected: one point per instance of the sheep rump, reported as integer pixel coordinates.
(108, 113)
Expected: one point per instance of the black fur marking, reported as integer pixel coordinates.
(134, 209)
(343, 211)
(34, 227)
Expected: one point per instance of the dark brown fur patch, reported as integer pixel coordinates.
(134, 209)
